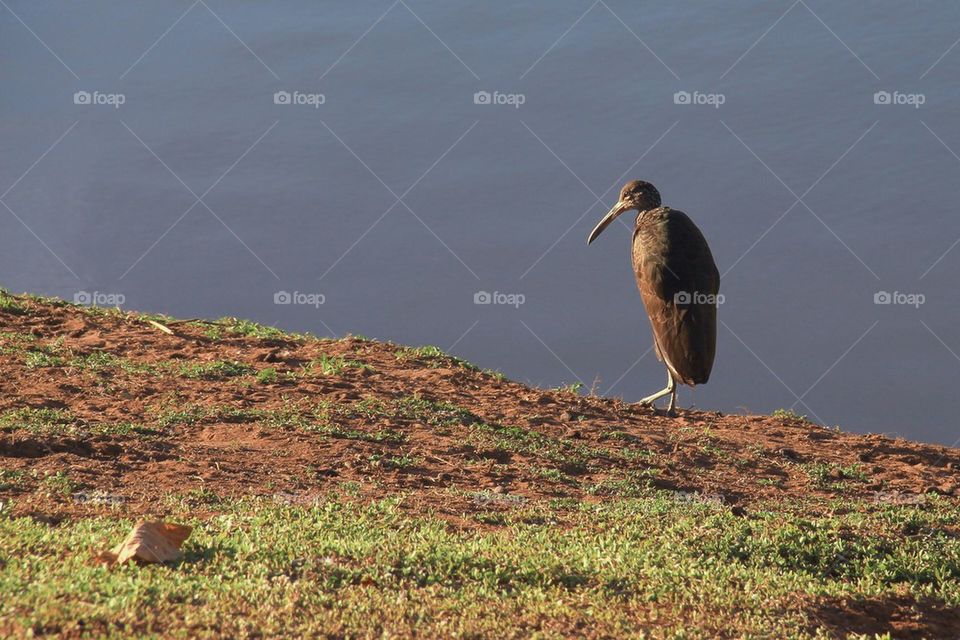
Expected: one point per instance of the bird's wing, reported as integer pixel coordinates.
(678, 282)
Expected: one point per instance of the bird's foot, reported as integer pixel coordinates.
(670, 412)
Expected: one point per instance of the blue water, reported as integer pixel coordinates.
(501, 197)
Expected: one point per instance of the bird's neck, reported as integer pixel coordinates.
(642, 213)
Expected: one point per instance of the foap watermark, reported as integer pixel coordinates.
(697, 297)
(98, 98)
(489, 497)
(511, 99)
(707, 99)
(898, 497)
(509, 299)
(898, 297)
(896, 97)
(98, 496)
(697, 497)
(299, 298)
(308, 499)
(99, 298)
(299, 98)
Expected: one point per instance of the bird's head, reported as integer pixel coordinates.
(636, 194)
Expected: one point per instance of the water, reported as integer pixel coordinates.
(289, 202)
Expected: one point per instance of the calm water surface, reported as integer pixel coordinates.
(399, 198)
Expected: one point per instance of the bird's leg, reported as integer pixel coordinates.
(671, 389)
(672, 409)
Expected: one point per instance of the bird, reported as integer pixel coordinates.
(679, 284)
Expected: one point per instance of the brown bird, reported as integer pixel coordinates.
(678, 282)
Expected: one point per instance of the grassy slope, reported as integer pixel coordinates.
(603, 552)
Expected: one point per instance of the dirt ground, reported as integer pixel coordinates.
(368, 422)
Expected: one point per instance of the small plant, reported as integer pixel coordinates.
(553, 474)
(42, 359)
(11, 479)
(820, 473)
(427, 351)
(52, 422)
(434, 356)
(770, 482)
(573, 388)
(41, 421)
(95, 361)
(213, 332)
(216, 370)
(13, 341)
(833, 476)
(350, 487)
(435, 413)
(638, 455)
(334, 365)
(188, 415)
(254, 330)
(9, 304)
(854, 472)
(491, 518)
(789, 414)
(267, 376)
(630, 487)
(46, 355)
(383, 436)
(393, 462)
(59, 483)
(119, 429)
(496, 375)
(294, 417)
(199, 497)
(709, 446)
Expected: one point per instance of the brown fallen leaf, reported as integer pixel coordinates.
(148, 542)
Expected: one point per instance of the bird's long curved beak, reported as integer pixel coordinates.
(612, 215)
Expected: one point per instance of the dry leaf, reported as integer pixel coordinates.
(148, 542)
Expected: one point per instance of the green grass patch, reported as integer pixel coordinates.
(58, 484)
(12, 305)
(47, 422)
(41, 359)
(295, 416)
(573, 388)
(410, 407)
(267, 376)
(404, 461)
(495, 374)
(333, 365)
(554, 475)
(834, 476)
(40, 421)
(52, 354)
(255, 330)
(215, 370)
(340, 569)
(789, 414)
(12, 479)
(433, 356)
